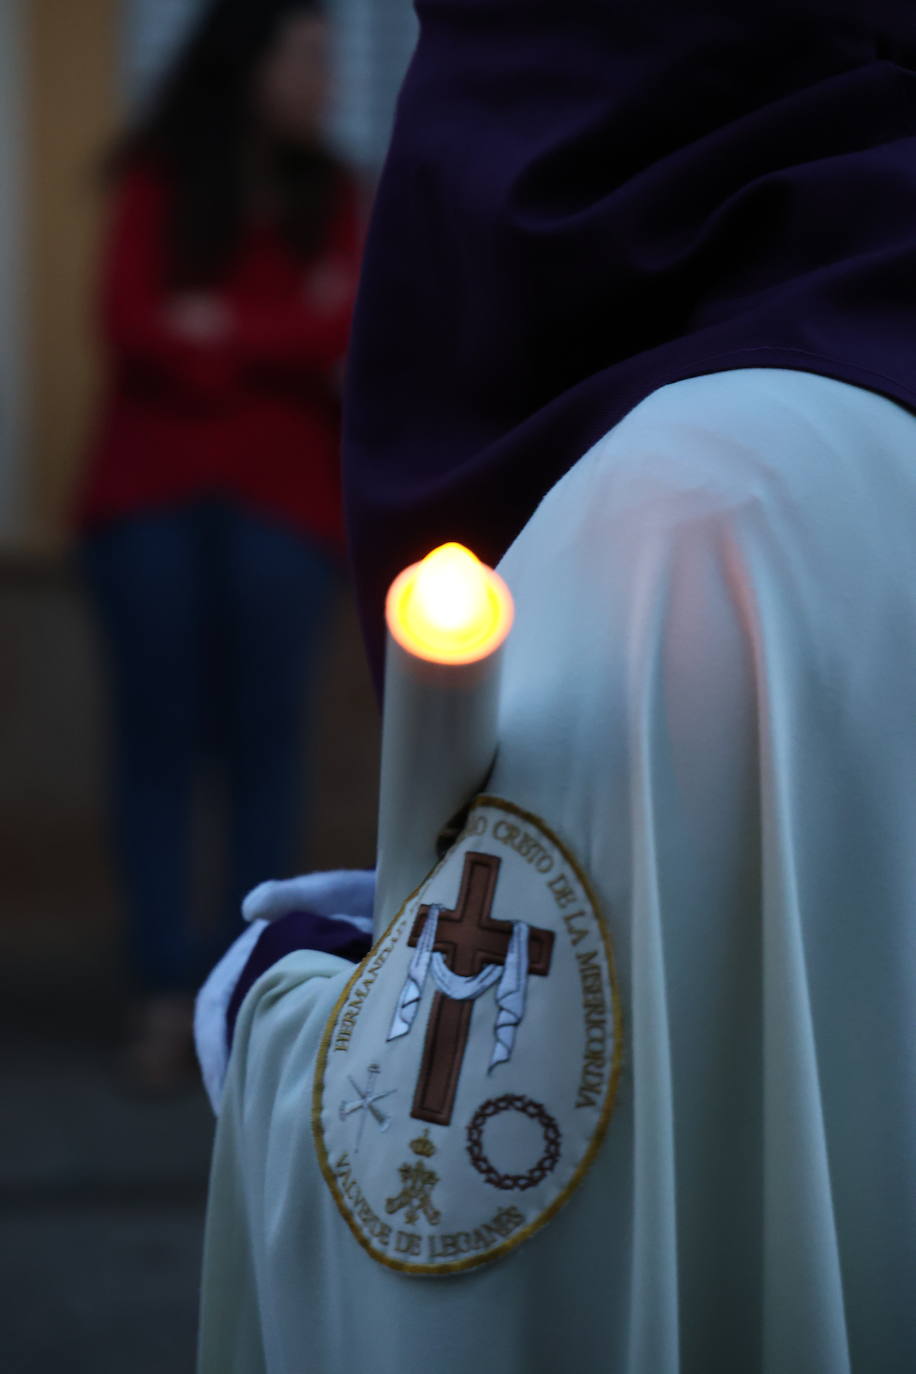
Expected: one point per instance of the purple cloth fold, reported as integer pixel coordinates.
(585, 200)
(298, 930)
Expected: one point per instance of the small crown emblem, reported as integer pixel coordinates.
(423, 1145)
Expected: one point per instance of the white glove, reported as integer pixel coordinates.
(346, 895)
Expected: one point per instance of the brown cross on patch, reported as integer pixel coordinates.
(467, 938)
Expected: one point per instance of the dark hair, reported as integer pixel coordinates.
(194, 133)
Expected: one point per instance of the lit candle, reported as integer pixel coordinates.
(448, 618)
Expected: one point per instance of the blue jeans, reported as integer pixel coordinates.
(213, 619)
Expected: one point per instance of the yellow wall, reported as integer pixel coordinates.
(72, 110)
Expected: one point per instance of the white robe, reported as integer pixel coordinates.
(710, 691)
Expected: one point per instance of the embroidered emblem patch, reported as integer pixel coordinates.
(482, 1036)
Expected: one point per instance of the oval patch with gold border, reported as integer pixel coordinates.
(467, 1075)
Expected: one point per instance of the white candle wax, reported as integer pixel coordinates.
(448, 619)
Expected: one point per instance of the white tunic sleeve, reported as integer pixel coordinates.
(710, 695)
(243, 1329)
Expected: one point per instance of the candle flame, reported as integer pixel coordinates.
(450, 607)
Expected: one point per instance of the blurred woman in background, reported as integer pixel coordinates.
(211, 508)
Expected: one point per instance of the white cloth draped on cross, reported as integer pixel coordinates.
(512, 978)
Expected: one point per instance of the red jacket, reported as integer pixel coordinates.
(254, 414)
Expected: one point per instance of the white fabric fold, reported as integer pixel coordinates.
(406, 1010)
(510, 995)
(210, 1010)
(460, 988)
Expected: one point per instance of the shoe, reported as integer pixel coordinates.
(158, 1059)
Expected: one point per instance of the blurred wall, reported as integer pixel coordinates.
(71, 110)
(12, 299)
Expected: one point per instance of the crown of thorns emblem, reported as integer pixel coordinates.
(528, 1107)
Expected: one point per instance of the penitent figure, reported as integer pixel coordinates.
(211, 509)
(627, 1085)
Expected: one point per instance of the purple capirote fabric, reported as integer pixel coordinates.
(585, 200)
(298, 930)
